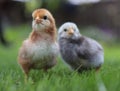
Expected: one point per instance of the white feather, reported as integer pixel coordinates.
(40, 50)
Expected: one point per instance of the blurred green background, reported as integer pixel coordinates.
(98, 19)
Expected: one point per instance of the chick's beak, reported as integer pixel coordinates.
(71, 32)
(38, 20)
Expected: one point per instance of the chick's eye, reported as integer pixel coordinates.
(65, 30)
(45, 17)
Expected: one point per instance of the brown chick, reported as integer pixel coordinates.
(40, 49)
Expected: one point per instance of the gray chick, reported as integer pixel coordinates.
(79, 52)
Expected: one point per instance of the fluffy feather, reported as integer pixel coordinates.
(40, 49)
(78, 51)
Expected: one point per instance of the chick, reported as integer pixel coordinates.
(40, 49)
(79, 52)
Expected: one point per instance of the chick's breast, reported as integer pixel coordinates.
(68, 52)
(40, 53)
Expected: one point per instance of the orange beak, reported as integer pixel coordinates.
(70, 32)
(38, 20)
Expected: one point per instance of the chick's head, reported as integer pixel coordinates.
(42, 19)
(68, 30)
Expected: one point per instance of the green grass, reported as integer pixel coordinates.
(59, 78)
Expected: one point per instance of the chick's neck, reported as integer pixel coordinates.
(47, 34)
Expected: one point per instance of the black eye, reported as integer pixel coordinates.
(65, 30)
(45, 17)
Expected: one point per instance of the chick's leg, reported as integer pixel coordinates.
(50, 65)
(26, 68)
(98, 68)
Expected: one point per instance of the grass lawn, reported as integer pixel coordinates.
(59, 78)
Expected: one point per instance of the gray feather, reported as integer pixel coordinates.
(79, 52)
